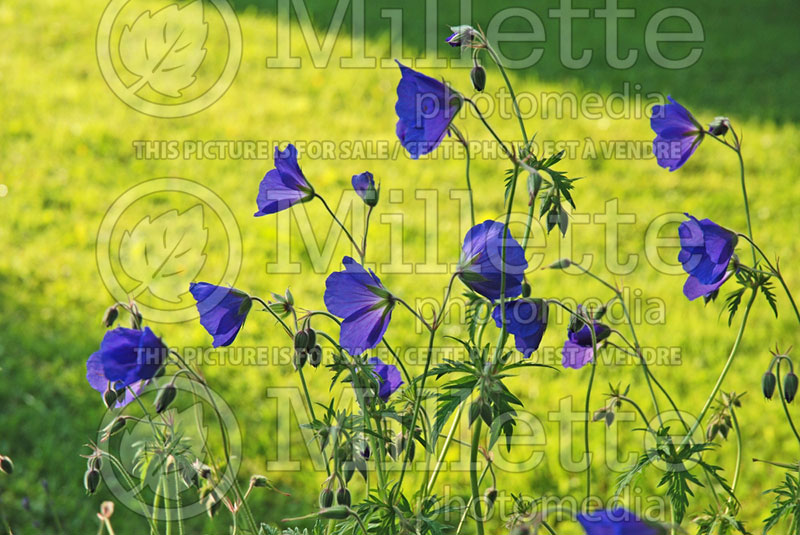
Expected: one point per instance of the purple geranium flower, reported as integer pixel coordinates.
(706, 251)
(578, 349)
(126, 358)
(222, 310)
(364, 185)
(526, 319)
(678, 134)
(425, 108)
(481, 264)
(283, 186)
(388, 375)
(357, 296)
(617, 522)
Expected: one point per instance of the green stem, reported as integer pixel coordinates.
(341, 225)
(491, 130)
(473, 476)
(447, 441)
(514, 103)
(723, 373)
(783, 402)
(587, 421)
(738, 450)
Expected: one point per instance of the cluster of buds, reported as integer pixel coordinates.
(769, 381)
(722, 419)
(91, 478)
(306, 348)
(615, 398)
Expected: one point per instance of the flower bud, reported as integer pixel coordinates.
(110, 316)
(768, 382)
(315, 356)
(6, 465)
(301, 340)
(526, 289)
(719, 126)
(561, 264)
(259, 481)
(491, 496)
(789, 387)
(343, 496)
(95, 462)
(338, 512)
(117, 425)
(136, 316)
(478, 77)
(165, 396)
(300, 358)
(91, 480)
(325, 498)
(109, 397)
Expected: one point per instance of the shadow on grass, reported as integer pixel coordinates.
(746, 69)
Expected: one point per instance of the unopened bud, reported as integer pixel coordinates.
(259, 481)
(325, 498)
(768, 383)
(109, 397)
(561, 264)
(478, 77)
(338, 512)
(300, 358)
(6, 465)
(490, 495)
(343, 496)
(789, 387)
(315, 356)
(301, 340)
(165, 396)
(117, 425)
(91, 480)
(110, 316)
(526, 289)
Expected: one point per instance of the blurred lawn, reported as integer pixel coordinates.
(67, 154)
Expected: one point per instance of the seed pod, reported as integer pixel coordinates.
(343, 497)
(478, 77)
(337, 512)
(165, 397)
(325, 498)
(6, 465)
(315, 356)
(789, 387)
(91, 480)
(110, 316)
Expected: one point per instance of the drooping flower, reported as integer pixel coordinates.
(357, 296)
(222, 310)
(388, 375)
(425, 108)
(462, 35)
(617, 521)
(364, 185)
(706, 251)
(283, 186)
(678, 134)
(481, 266)
(578, 349)
(127, 358)
(526, 319)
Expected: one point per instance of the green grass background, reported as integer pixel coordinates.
(67, 154)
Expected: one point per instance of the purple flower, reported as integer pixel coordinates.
(526, 319)
(364, 184)
(481, 264)
(283, 186)
(462, 35)
(126, 358)
(706, 251)
(578, 349)
(616, 522)
(425, 108)
(388, 375)
(357, 296)
(222, 310)
(678, 134)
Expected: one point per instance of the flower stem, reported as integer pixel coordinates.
(723, 373)
(491, 130)
(777, 272)
(588, 420)
(783, 402)
(473, 476)
(514, 103)
(341, 225)
(447, 441)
